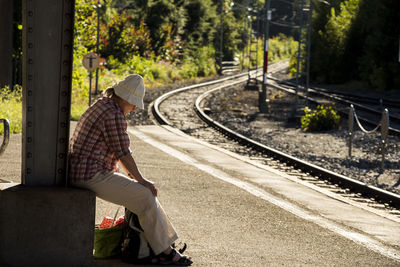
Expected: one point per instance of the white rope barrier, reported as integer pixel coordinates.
(360, 125)
(383, 124)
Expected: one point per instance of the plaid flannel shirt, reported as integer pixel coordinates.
(99, 141)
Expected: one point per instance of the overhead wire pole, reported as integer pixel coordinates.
(263, 101)
(253, 48)
(97, 45)
(221, 36)
(308, 47)
(303, 56)
(399, 49)
(249, 26)
(244, 39)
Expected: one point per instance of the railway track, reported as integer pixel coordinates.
(376, 102)
(182, 108)
(369, 109)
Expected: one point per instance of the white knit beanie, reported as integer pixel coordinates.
(131, 89)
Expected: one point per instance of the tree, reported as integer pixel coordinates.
(357, 40)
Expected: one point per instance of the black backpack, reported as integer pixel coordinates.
(134, 246)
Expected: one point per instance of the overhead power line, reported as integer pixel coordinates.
(294, 26)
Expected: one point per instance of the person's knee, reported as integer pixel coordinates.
(149, 197)
(148, 200)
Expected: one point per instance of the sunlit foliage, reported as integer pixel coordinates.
(357, 40)
(321, 119)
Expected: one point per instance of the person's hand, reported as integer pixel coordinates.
(150, 185)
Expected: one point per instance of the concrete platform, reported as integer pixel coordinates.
(233, 212)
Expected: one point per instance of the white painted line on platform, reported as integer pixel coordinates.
(321, 190)
(359, 238)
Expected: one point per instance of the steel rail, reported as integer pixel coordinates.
(345, 182)
(337, 99)
(356, 186)
(374, 100)
(346, 101)
(155, 106)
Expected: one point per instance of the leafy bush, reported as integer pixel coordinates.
(120, 38)
(85, 23)
(280, 47)
(293, 64)
(322, 119)
(200, 62)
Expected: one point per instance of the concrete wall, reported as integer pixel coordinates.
(46, 226)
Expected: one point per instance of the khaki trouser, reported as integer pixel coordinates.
(121, 190)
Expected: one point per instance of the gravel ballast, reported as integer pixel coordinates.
(237, 108)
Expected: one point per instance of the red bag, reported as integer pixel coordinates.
(119, 221)
(108, 221)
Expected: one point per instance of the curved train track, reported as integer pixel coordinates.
(182, 108)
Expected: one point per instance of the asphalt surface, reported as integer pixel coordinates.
(233, 213)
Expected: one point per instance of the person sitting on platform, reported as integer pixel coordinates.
(99, 142)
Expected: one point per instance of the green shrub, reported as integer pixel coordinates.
(322, 119)
(11, 108)
(280, 47)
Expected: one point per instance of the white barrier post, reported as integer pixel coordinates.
(351, 128)
(384, 135)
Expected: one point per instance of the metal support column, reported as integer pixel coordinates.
(248, 31)
(263, 105)
(221, 38)
(303, 55)
(97, 45)
(47, 75)
(253, 48)
(6, 43)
